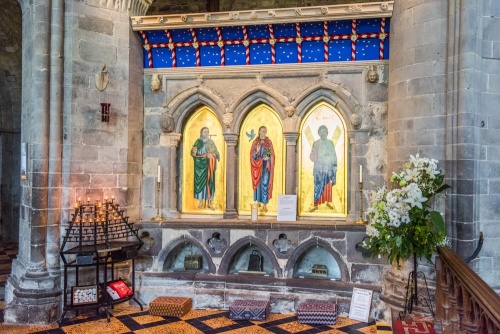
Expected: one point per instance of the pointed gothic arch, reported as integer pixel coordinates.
(174, 244)
(330, 93)
(183, 105)
(233, 250)
(313, 242)
(253, 97)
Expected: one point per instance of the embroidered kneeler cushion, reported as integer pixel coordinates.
(245, 309)
(170, 306)
(317, 312)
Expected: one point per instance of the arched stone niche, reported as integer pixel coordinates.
(308, 263)
(236, 257)
(260, 94)
(171, 257)
(233, 96)
(320, 252)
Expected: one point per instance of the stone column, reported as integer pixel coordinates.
(291, 162)
(352, 181)
(231, 167)
(169, 164)
(416, 100)
(417, 82)
(69, 148)
(32, 293)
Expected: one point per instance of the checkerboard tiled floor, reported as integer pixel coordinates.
(127, 319)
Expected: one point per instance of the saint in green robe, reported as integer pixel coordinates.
(205, 164)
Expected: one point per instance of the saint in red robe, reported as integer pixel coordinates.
(262, 163)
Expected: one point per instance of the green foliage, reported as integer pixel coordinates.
(402, 222)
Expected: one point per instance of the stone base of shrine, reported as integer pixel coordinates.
(296, 261)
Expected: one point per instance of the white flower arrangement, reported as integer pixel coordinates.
(402, 222)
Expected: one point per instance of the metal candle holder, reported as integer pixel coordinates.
(361, 220)
(158, 217)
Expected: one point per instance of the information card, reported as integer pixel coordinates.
(287, 208)
(360, 304)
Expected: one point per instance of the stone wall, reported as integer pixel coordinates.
(486, 65)
(442, 86)
(72, 153)
(105, 157)
(219, 282)
(417, 81)
(442, 103)
(231, 96)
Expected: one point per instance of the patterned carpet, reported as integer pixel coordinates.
(127, 319)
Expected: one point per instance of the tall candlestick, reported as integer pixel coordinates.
(159, 173)
(360, 173)
(158, 188)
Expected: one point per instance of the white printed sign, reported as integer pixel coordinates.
(360, 304)
(287, 208)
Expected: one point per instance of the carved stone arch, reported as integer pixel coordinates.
(182, 105)
(234, 248)
(260, 94)
(330, 93)
(294, 257)
(163, 254)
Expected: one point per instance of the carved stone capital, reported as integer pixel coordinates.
(231, 138)
(170, 139)
(291, 138)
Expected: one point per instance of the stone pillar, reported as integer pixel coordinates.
(32, 293)
(353, 184)
(472, 102)
(169, 164)
(231, 181)
(291, 162)
(71, 152)
(417, 80)
(416, 100)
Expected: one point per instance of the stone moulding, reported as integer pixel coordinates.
(263, 16)
(133, 7)
(278, 70)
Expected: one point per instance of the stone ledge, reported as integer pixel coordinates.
(264, 16)
(186, 223)
(303, 284)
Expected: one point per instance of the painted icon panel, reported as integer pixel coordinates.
(261, 156)
(323, 163)
(203, 164)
